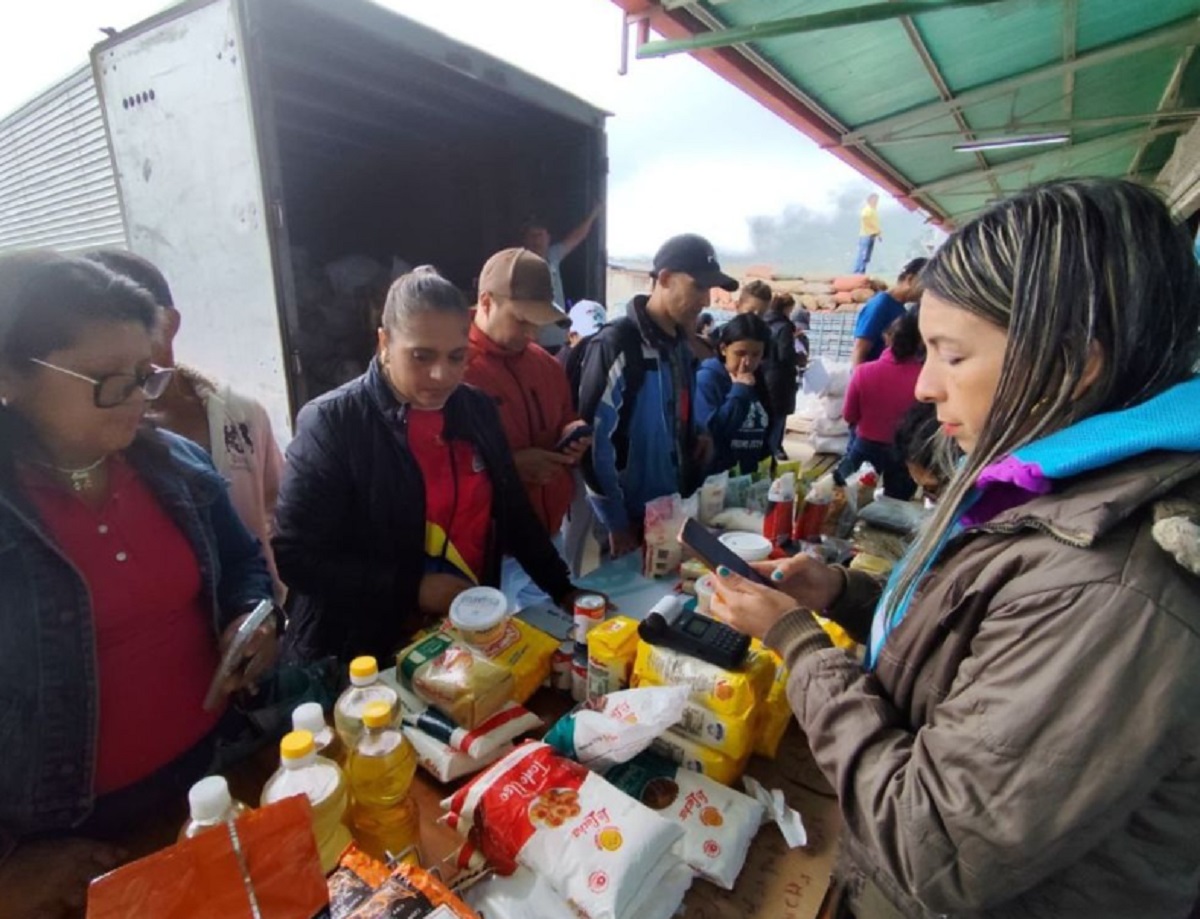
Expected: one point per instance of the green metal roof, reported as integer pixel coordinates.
(892, 87)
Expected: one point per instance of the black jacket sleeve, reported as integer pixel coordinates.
(521, 533)
(780, 369)
(314, 514)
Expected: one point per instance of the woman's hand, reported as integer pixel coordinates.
(808, 581)
(438, 591)
(258, 657)
(749, 607)
(49, 878)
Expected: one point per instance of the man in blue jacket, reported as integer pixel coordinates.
(637, 388)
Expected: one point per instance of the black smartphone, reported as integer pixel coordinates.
(577, 434)
(714, 553)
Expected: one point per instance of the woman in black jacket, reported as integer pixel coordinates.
(780, 368)
(400, 490)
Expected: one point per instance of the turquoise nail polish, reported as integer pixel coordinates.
(723, 571)
(777, 575)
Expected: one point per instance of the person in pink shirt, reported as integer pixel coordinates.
(879, 394)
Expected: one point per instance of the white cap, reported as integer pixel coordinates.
(209, 799)
(586, 317)
(750, 547)
(309, 717)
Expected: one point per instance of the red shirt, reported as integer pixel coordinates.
(879, 394)
(458, 496)
(155, 648)
(533, 396)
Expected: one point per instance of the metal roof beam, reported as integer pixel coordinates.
(1042, 127)
(1027, 162)
(1169, 97)
(1070, 30)
(935, 74)
(1185, 32)
(813, 22)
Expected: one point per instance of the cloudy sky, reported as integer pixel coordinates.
(687, 151)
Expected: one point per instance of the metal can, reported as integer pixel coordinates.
(560, 667)
(579, 681)
(589, 613)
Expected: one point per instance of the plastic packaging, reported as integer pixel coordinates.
(459, 680)
(719, 823)
(698, 758)
(478, 614)
(509, 723)
(210, 805)
(311, 717)
(616, 728)
(664, 517)
(612, 649)
(776, 713)
(735, 736)
(365, 686)
(593, 844)
(445, 763)
(737, 491)
(302, 772)
(729, 692)
(811, 516)
(365, 888)
(712, 496)
(781, 500)
(384, 816)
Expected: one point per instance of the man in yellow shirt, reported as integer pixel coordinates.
(868, 233)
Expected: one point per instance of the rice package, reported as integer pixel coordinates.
(445, 763)
(612, 648)
(729, 692)
(733, 735)
(617, 727)
(593, 844)
(699, 758)
(719, 823)
(525, 895)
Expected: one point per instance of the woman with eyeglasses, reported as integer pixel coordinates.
(124, 569)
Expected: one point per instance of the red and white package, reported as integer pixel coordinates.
(593, 844)
(445, 763)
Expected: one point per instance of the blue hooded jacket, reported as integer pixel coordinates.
(736, 416)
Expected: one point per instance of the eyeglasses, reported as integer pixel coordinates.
(116, 388)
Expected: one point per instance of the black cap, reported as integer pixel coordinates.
(693, 255)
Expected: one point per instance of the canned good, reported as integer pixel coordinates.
(560, 667)
(579, 682)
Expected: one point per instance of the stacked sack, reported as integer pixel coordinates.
(827, 293)
(818, 414)
(729, 714)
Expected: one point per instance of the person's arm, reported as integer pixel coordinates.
(524, 537)
(1059, 750)
(721, 413)
(852, 406)
(316, 501)
(601, 396)
(866, 333)
(572, 240)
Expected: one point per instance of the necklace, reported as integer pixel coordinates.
(81, 479)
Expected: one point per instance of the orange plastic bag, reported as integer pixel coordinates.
(275, 865)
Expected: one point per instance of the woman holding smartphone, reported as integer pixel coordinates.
(400, 490)
(126, 571)
(1022, 740)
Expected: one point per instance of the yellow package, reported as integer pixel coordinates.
(764, 470)
(775, 714)
(691, 755)
(522, 650)
(838, 635)
(612, 648)
(761, 664)
(730, 735)
(727, 692)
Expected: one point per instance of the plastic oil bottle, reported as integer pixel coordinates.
(211, 805)
(384, 816)
(311, 717)
(365, 687)
(302, 772)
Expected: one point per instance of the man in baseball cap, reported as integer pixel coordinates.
(530, 389)
(692, 255)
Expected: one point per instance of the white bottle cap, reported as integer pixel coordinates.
(209, 799)
(309, 717)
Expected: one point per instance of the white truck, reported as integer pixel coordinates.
(245, 146)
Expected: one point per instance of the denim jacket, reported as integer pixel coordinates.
(48, 697)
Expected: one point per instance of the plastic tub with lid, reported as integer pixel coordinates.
(750, 547)
(479, 615)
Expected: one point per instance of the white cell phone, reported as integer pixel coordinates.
(233, 654)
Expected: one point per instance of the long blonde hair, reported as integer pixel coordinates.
(1064, 268)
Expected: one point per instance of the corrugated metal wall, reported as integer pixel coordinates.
(57, 187)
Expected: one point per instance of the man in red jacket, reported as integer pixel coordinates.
(516, 299)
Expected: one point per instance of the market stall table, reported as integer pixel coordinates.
(776, 883)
